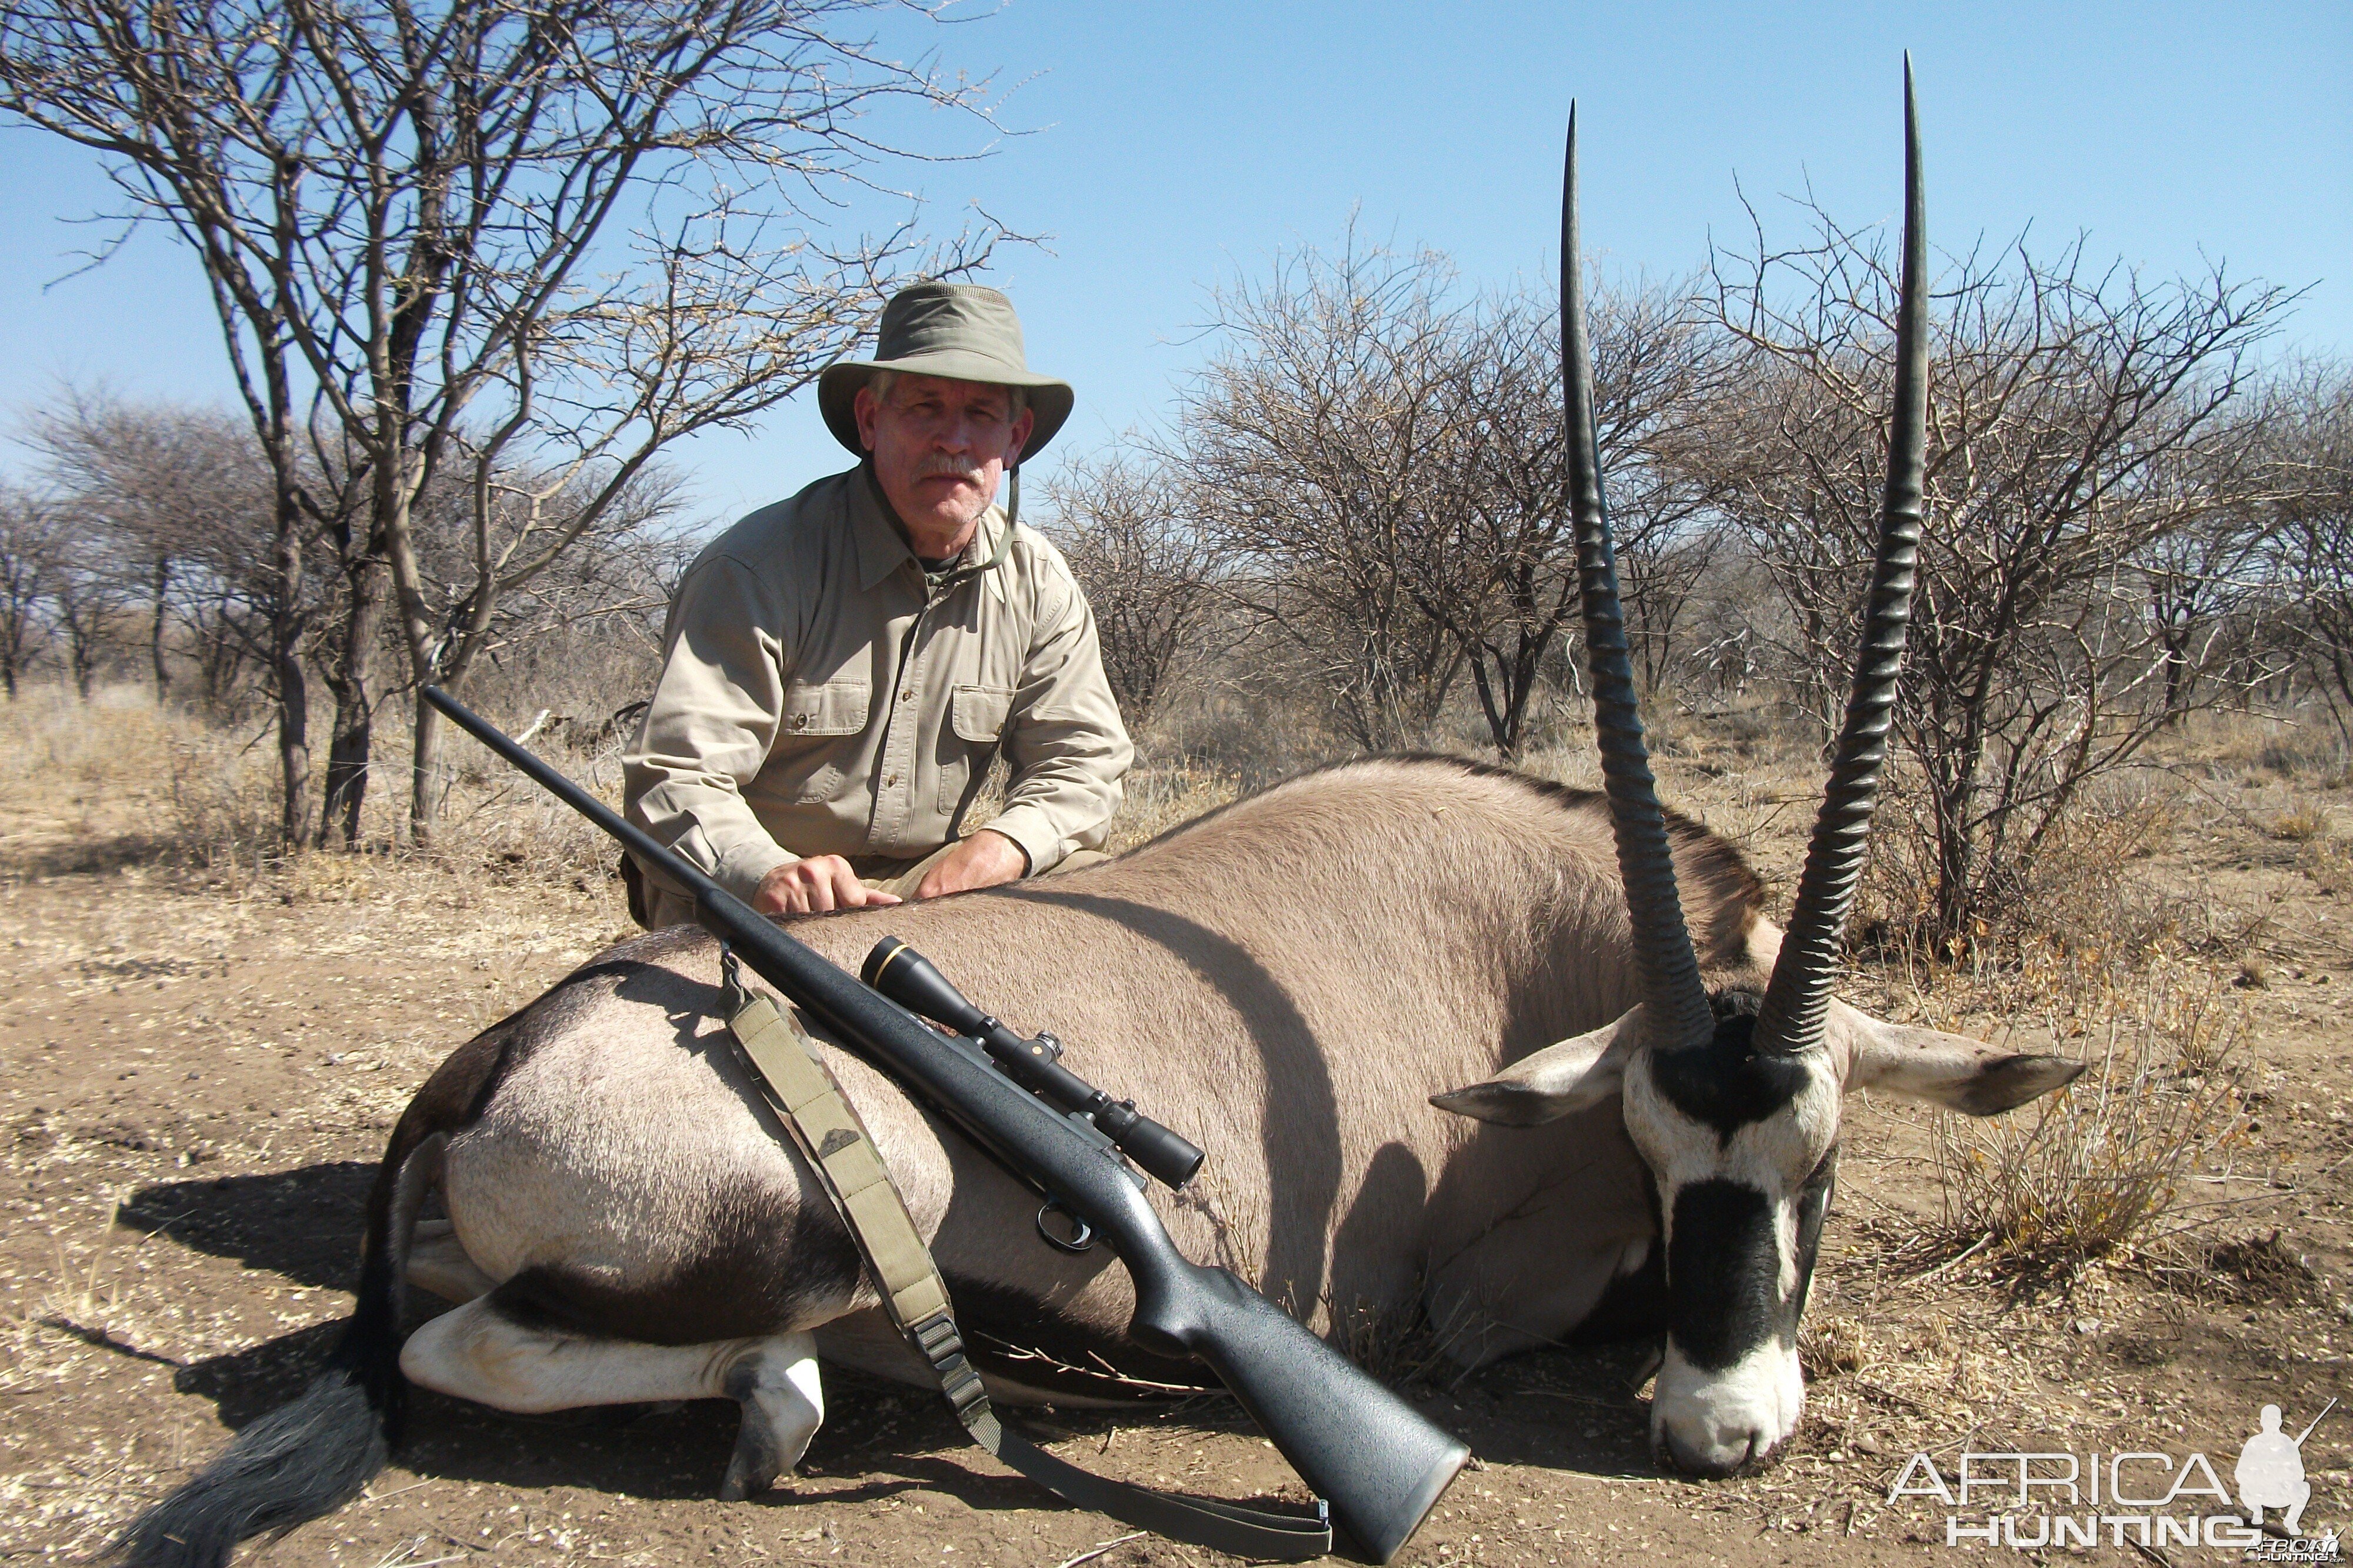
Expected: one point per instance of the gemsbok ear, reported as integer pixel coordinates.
(1556, 1081)
(1951, 1071)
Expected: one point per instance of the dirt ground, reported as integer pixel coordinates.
(201, 1069)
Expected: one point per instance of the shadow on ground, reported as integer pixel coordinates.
(303, 1224)
(90, 855)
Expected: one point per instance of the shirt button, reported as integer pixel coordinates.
(892, 780)
(910, 695)
(800, 721)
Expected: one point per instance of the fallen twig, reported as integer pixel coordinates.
(1099, 1550)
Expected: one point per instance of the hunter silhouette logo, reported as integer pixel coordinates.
(2271, 1470)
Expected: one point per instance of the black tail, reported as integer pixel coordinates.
(303, 1459)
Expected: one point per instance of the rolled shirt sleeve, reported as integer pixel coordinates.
(712, 723)
(1065, 742)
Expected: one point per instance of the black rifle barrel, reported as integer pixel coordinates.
(1382, 1465)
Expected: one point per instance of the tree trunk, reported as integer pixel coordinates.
(426, 787)
(348, 751)
(155, 629)
(287, 618)
(1955, 795)
(1498, 728)
(293, 746)
(84, 656)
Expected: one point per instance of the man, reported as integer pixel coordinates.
(840, 669)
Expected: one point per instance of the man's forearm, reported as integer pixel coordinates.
(1053, 811)
(714, 830)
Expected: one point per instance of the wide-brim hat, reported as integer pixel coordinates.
(958, 331)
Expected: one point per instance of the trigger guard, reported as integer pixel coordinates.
(1082, 1235)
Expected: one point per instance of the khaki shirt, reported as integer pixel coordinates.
(816, 699)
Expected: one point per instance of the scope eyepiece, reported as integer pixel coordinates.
(1160, 1153)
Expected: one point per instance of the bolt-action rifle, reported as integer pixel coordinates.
(1380, 1464)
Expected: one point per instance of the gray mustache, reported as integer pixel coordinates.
(953, 470)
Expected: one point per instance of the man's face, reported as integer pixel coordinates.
(940, 449)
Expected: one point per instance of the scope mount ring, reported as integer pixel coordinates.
(1081, 1236)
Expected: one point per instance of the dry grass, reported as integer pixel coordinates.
(2135, 978)
(2306, 744)
(2099, 1168)
(2302, 825)
(1160, 798)
(119, 781)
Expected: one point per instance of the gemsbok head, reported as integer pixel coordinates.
(1733, 1099)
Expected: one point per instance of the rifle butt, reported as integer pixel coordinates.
(1378, 1462)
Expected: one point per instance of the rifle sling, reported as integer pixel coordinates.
(802, 1090)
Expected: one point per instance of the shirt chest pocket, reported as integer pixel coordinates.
(835, 708)
(977, 713)
(815, 759)
(977, 716)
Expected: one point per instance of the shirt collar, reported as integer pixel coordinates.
(880, 551)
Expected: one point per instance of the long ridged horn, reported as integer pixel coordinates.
(1675, 1002)
(1797, 1000)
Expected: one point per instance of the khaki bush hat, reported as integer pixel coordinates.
(959, 330)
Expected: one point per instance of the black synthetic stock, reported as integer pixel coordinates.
(913, 981)
(1381, 1464)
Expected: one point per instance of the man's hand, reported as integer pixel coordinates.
(813, 885)
(983, 860)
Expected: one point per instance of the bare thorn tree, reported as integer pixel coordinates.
(1317, 443)
(2309, 449)
(31, 543)
(168, 496)
(2065, 404)
(1499, 569)
(1126, 524)
(493, 239)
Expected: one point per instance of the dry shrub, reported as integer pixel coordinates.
(1396, 1344)
(2079, 888)
(2096, 951)
(494, 818)
(2330, 862)
(1827, 1345)
(2088, 935)
(2099, 1168)
(2305, 823)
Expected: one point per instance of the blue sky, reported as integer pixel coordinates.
(1168, 146)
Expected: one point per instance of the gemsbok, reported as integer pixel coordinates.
(1654, 1071)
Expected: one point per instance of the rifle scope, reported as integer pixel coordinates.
(911, 980)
